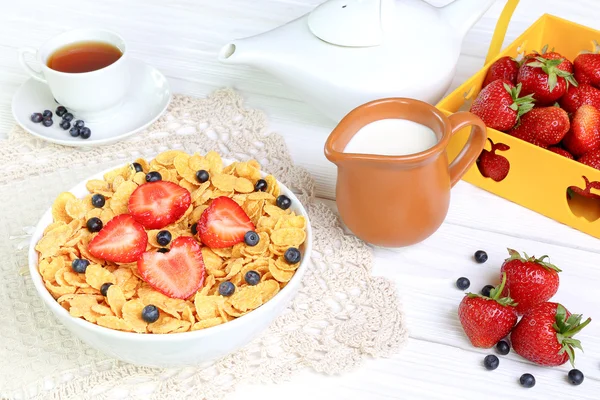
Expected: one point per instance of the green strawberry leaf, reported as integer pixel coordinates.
(495, 294)
(566, 328)
(514, 255)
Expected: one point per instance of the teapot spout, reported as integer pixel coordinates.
(235, 53)
(463, 14)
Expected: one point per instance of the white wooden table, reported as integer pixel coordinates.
(182, 38)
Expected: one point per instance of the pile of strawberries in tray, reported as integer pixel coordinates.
(545, 333)
(547, 100)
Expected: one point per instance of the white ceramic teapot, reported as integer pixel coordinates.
(348, 52)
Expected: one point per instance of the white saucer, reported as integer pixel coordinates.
(147, 100)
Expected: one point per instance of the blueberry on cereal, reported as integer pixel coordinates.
(202, 176)
(163, 250)
(251, 238)
(98, 200)
(252, 278)
(292, 255)
(283, 202)
(150, 313)
(194, 229)
(226, 288)
(137, 167)
(104, 288)
(163, 237)
(153, 176)
(261, 185)
(94, 224)
(79, 265)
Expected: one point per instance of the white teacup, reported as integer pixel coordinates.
(88, 94)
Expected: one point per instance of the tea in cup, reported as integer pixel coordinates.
(393, 175)
(86, 70)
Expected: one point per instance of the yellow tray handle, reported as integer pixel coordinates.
(500, 31)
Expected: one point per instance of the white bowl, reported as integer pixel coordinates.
(176, 349)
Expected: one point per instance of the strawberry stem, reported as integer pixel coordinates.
(550, 67)
(522, 105)
(566, 328)
(495, 294)
(514, 255)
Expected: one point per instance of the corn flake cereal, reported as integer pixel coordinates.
(120, 305)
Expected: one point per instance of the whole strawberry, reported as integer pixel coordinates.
(587, 69)
(545, 335)
(543, 127)
(546, 76)
(492, 165)
(562, 152)
(499, 106)
(529, 281)
(505, 68)
(579, 96)
(486, 320)
(591, 158)
(584, 135)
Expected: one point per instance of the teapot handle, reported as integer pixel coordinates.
(473, 147)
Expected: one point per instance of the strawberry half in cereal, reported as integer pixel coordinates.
(197, 245)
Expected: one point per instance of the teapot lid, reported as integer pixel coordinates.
(350, 23)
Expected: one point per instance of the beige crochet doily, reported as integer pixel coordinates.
(341, 316)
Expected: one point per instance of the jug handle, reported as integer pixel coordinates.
(473, 147)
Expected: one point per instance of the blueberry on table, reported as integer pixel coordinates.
(194, 229)
(292, 255)
(575, 377)
(85, 132)
(226, 288)
(481, 256)
(60, 111)
(502, 347)
(153, 176)
(252, 278)
(37, 117)
(163, 237)
(202, 176)
(150, 313)
(79, 265)
(47, 114)
(94, 224)
(491, 362)
(47, 122)
(251, 238)
(67, 117)
(79, 123)
(283, 202)
(136, 166)
(98, 200)
(65, 125)
(486, 290)
(463, 283)
(74, 131)
(104, 288)
(261, 185)
(163, 250)
(527, 380)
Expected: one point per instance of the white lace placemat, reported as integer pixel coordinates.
(341, 316)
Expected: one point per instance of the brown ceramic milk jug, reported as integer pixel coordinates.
(399, 200)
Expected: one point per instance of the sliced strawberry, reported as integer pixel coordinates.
(223, 224)
(158, 204)
(121, 240)
(178, 273)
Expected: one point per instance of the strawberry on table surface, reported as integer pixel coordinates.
(545, 335)
(223, 224)
(505, 68)
(546, 77)
(584, 135)
(499, 105)
(178, 273)
(486, 320)
(121, 240)
(587, 69)
(492, 165)
(529, 281)
(158, 204)
(543, 127)
(561, 151)
(579, 96)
